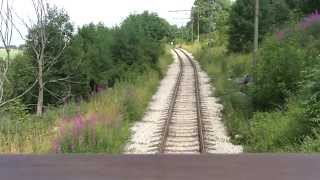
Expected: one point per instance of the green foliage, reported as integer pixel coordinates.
(277, 131)
(58, 30)
(278, 73)
(22, 75)
(89, 57)
(17, 111)
(21, 132)
(96, 53)
(213, 15)
(273, 14)
(138, 41)
(311, 144)
(313, 113)
(304, 7)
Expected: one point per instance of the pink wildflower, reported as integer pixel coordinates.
(310, 20)
(99, 88)
(78, 122)
(56, 146)
(280, 35)
(92, 119)
(78, 125)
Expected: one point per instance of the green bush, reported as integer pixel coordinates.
(313, 113)
(311, 144)
(278, 73)
(278, 130)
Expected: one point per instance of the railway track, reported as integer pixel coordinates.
(183, 117)
(184, 131)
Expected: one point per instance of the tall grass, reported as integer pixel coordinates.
(100, 125)
(21, 132)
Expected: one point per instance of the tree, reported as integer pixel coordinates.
(273, 14)
(6, 30)
(138, 41)
(89, 58)
(47, 39)
(209, 15)
(7, 26)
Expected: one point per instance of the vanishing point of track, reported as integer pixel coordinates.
(183, 131)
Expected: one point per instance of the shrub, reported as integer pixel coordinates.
(278, 72)
(313, 113)
(278, 130)
(311, 144)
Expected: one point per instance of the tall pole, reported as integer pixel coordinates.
(192, 19)
(198, 24)
(256, 34)
(211, 9)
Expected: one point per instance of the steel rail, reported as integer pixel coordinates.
(171, 106)
(202, 148)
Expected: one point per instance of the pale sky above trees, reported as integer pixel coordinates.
(109, 12)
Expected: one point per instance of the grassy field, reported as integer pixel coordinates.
(14, 52)
(98, 126)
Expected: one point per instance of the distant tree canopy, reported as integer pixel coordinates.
(213, 15)
(272, 14)
(137, 41)
(89, 58)
(305, 6)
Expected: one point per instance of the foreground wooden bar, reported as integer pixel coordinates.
(204, 167)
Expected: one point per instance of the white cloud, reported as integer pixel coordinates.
(110, 12)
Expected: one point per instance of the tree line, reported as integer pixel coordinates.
(233, 22)
(59, 64)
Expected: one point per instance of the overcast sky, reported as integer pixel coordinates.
(110, 12)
